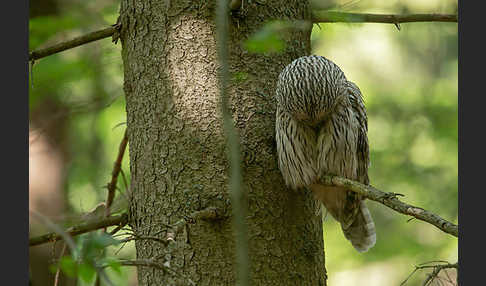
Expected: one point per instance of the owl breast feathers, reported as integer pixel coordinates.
(321, 129)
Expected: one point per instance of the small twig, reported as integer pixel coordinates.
(114, 174)
(154, 264)
(79, 229)
(58, 233)
(124, 181)
(118, 228)
(32, 73)
(59, 47)
(137, 237)
(344, 17)
(58, 271)
(437, 269)
(408, 277)
(390, 200)
(144, 262)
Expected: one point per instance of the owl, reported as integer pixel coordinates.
(321, 129)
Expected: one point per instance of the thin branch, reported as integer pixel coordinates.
(118, 228)
(81, 40)
(232, 143)
(154, 264)
(390, 200)
(144, 262)
(437, 269)
(114, 174)
(430, 277)
(79, 229)
(112, 186)
(153, 238)
(317, 17)
(58, 232)
(58, 271)
(343, 17)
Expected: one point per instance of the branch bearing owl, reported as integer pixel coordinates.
(321, 129)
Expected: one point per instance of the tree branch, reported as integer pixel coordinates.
(61, 233)
(154, 264)
(390, 200)
(114, 174)
(438, 268)
(343, 17)
(79, 229)
(431, 276)
(317, 17)
(81, 40)
(144, 262)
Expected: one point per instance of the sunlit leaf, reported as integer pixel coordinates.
(68, 266)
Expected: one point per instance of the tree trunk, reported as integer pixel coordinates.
(177, 149)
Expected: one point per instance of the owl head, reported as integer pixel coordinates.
(309, 87)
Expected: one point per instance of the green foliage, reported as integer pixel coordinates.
(93, 244)
(113, 264)
(86, 272)
(89, 257)
(77, 95)
(68, 265)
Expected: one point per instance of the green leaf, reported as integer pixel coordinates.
(68, 266)
(103, 240)
(53, 268)
(113, 264)
(86, 272)
(93, 245)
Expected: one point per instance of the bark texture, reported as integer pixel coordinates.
(177, 149)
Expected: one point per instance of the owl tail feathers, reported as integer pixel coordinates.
(361, 233)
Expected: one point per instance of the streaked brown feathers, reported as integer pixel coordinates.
(321, 129)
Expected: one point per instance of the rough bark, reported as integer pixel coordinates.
(177, 152)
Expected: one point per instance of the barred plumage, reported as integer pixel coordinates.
(321, 129)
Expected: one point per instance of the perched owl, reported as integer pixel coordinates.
(321, 129)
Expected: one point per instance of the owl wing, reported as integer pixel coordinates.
(343, 151)
(361, 232)
(363, 153)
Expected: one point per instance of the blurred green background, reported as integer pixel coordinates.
(408, 79)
